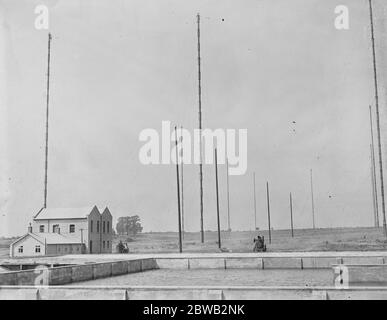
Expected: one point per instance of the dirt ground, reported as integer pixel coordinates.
(208, 277)
(340, 239)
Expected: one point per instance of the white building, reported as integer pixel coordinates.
(57, 231)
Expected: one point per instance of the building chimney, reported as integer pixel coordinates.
(30, 228)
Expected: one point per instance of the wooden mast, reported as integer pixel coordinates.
(375, 188)
(47, 117)
(200, 131)
(378, 120)
(217, 198)
(178, 192)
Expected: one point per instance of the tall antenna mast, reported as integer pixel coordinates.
(291, 213)
(200, 132)
(375, 188)
(268, 210)
(47, 109)
(217, 198)
(178, 193)
(255, 204)
(228, 197)
(182, 182)
(378, 120)
(311, 190)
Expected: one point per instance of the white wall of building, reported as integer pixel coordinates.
(29, 244)
(64, 225)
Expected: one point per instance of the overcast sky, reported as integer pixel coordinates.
(278, 68)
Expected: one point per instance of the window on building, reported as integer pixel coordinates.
(103, 244)
(97, 226)
(91, 226)
(55, 228)
(20, 249)
(108, 227)
(72, 228)
(41, 228)
(108, 244)
(103, 227)
(37, 249)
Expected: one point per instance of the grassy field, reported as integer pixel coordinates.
(4, 247)
(343, 239)
(340, 239)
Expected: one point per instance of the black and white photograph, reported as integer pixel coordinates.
(164, 150)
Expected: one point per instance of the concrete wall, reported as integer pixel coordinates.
(320, 262)
(360, 275)
(369, 274)
(362, 260)
(244, 263)
(194, 293)
(282, 263)
(28, 277)
(102, 270)
(207, 263)
(81, 273)
(260, 262)
(76, 273)
(172, 263)
(134, 266)
(60, 275)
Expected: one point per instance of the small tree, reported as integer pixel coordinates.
(129, 225)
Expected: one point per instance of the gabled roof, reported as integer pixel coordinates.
(64, 213)
(33, 235)
(106, 212)
(51, 238)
